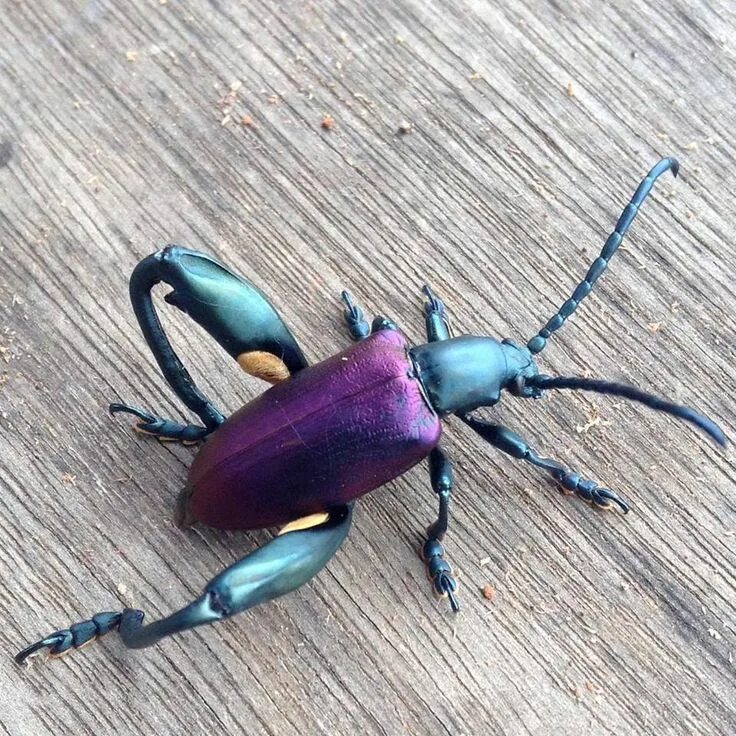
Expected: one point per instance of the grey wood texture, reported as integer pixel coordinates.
(126, 126)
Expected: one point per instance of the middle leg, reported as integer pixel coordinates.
(439, 570)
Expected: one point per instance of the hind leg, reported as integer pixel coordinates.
(297, 554)
(439, 570)
(232, 310)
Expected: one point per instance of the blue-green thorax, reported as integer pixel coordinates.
(466, 372)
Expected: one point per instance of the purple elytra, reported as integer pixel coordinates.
(331, 433)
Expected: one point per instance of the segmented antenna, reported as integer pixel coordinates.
(596, 270)
(633, 393)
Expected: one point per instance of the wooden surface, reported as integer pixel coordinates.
(121, 130)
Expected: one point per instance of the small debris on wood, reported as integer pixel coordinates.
(475, 76)
(484, 561)
(594, 420)
(69, 479)
(405, 127)
(122, 591)
(328, 122)
(247, 121)
(364, 99)
(227, 103)
(131, 55)
(544, 190)
(570, 89)
(8, 336)
(690, 146)
(488, 592)
(715, 634)
(654, 327)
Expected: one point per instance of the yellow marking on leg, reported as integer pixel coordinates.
(306, 522)
(263, 365)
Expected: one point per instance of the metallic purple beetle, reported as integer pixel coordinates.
(303, 451)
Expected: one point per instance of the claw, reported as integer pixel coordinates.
(354, 317)
(51, 642)
(352, 310)
(588, 490)
(445, 586)
(454, 602)
(604, 498)
(345, 296)
(435, 307)
(434, 303)
(163, 429)
(149, 423)
(439, 572)
(140, 413)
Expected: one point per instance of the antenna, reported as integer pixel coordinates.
(599, 265)
(635, 394)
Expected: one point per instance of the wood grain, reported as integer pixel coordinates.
(121, 130)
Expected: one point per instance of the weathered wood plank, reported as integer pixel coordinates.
(120, 131)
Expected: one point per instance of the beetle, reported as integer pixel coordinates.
(302, 452)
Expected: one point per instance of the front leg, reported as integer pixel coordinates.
(512, 444)
(436, 318)
(356, 322)
(433, 553)
(299, 552)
